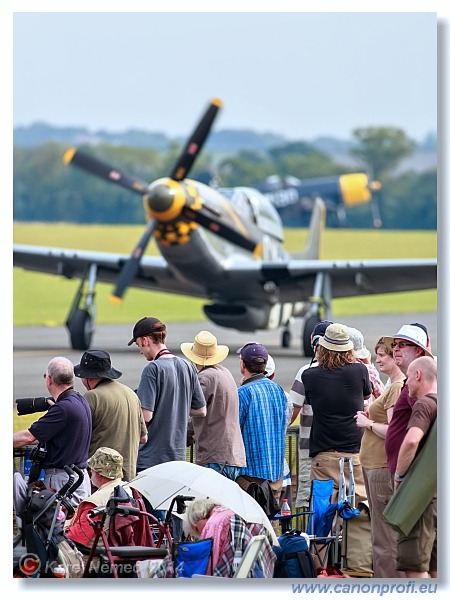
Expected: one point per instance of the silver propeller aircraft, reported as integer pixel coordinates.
(224, 245)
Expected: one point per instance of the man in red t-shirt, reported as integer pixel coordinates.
(409, 343)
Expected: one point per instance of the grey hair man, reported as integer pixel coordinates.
(64, 431)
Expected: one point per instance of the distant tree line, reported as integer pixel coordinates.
(45, 189)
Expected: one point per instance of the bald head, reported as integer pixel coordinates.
(422, 376)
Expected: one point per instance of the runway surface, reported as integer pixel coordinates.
(34, 347)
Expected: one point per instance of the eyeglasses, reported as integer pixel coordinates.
(401, 344)
(44, 375)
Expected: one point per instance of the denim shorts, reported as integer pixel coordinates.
(228, 471)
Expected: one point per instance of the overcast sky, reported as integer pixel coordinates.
(299, 74)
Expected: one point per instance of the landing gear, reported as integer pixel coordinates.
(308, 328)
(81, 319)
(81, 329)
(286, 338)
(320, 309)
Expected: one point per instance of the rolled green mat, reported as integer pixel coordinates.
(417, 489)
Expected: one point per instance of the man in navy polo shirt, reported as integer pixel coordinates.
(64, 430)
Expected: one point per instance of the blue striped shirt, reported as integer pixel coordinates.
(262, 417)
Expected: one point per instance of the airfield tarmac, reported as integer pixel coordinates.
(34, 347)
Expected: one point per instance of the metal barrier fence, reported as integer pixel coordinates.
(22, 460)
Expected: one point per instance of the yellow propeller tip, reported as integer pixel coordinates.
(68, 155)
(217, 102)
(115, 299)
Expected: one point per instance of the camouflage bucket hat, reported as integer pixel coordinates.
(107, 462)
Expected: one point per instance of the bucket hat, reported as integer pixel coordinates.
(96, 364)
(410, 333)
(107, 461)
(336, 338)
(204, 350)
(359, 348)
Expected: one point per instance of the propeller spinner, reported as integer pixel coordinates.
(166, 199)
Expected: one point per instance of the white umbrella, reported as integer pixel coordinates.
(161, 483)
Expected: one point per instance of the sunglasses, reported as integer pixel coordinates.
(400, 344)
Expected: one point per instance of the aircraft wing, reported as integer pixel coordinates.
(154, 272)
(353, 277)
(293, 278)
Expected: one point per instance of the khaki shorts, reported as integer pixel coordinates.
(418, 550)
(325, 465)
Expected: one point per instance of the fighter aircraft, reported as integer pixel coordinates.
(294, 198)
(224, 245)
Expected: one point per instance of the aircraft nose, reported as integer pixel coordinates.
(165, 200)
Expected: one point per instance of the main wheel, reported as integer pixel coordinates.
(308, 328)
(81, 329)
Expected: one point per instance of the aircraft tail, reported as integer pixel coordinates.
(311, 250)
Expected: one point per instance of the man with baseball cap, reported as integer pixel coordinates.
(262, 410)
(146, 326)
(409, 343)
(286, 489)
(169, 392)
(117, 419)
(217, 437)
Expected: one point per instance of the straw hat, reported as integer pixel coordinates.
(336, 338)
(204, 350)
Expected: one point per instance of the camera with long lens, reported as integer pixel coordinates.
(37, 458)
(28, 406)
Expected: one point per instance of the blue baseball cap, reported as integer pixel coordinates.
(254, 353)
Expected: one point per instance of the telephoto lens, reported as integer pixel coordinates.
(28, 406)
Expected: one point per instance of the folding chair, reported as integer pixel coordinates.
(323, 528)
(248, 560)
(249, 557)
(347, 503)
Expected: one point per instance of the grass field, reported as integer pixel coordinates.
(45, 299)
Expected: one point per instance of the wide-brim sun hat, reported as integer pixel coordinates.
(337, 338)
(410, 333)
(205, 350)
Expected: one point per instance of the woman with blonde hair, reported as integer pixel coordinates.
(206, 518)
(377, 477)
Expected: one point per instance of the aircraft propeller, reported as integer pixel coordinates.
(374, 187)
(166, 199)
